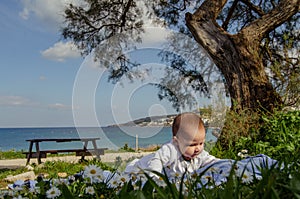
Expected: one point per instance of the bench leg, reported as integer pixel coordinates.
(96, 149)
(38, 152)
(29, 154)
(85, 149)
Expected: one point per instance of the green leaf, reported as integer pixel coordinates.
(140, 194)
(66, 192)
(148, 188)
(159, 190)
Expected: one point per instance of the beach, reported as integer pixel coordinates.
(106, 158)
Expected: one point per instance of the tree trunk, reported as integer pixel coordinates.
(256, 91)
(237, 56)
(240, 64)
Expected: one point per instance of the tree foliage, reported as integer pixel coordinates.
(263, 34)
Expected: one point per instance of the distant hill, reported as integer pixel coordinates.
(163, 120)
(160, 120)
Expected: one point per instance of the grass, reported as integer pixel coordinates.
(275, 183)
(11, 154)
(52, 168)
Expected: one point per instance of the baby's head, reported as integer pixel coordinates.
(189, 134)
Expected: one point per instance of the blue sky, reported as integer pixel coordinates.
(38, 71)
(46, 83)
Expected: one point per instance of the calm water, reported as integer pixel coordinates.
(110, 137)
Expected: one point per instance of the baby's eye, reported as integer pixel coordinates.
(195, 144)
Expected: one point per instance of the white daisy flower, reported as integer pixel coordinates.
(37, 190)
(240, 154)
(258, 177)
(207, 178)
(160, 181)
(244, 151)
(204, 180)
(245, 176)
(124, 178)
(118, 180)
(90, 190)
(56, 182)
(97, 179)
(53, 192)
(114, 183)
(93, 171)
(175, 174)
(194, 175)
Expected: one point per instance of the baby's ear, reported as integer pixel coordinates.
(175, 140)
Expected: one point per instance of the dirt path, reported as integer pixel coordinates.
(107, 157)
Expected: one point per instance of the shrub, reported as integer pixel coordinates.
(127, 148)
(237, 125)
(278, 137)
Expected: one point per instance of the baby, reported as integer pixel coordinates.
(185, 152)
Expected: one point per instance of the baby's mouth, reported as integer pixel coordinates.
(186, 158)
(195, 154)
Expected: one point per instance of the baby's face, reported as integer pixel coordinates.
(191, 142)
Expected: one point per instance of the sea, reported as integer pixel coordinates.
(113, 137)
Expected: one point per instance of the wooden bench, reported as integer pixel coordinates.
(78, 152)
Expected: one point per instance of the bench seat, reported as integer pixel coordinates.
(79, 152)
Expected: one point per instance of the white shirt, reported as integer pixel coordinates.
(170, 158)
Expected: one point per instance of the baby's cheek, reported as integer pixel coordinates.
(202, 147)
(182, 149)
(189, 151)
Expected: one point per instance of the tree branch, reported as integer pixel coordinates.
(210, 9)
(253, 7)
(262, 26)
(230, 13)
(123, 17)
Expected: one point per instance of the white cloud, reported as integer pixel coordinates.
(49, 12)
(59, 106)
(154, 36)
(61, 51)
(12, 101)
(42, 77)
(19, 101)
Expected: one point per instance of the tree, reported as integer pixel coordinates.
(254, 43)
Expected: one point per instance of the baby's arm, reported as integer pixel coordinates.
(152, 162)
(161, 158)
(208, 159)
